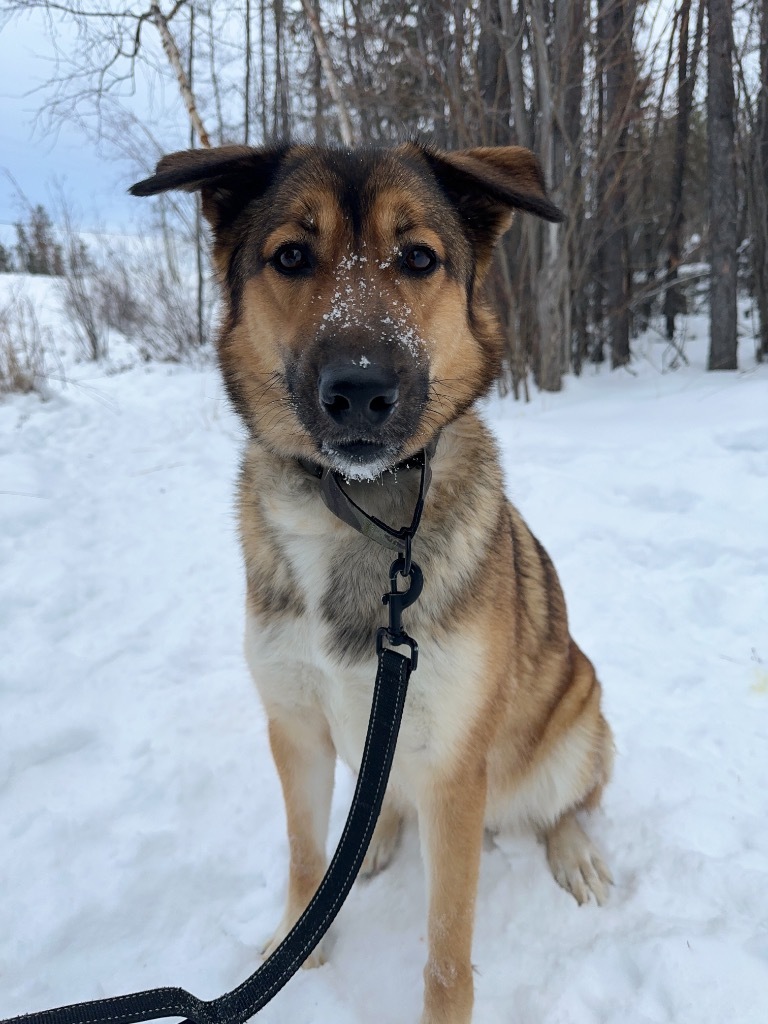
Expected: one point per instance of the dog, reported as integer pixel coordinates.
(354, 336)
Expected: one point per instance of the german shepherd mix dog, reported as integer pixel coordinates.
(354, 336)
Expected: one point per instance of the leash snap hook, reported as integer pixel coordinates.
(396, 601)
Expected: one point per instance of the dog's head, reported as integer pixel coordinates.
(353, 331)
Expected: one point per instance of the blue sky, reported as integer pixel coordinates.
(93, 177)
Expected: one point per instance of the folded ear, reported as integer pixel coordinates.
(487, 184)
(227, 177)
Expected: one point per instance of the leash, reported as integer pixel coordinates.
(390, 688)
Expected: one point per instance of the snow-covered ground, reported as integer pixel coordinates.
(141, 826)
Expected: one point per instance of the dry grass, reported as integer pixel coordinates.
(23, 346)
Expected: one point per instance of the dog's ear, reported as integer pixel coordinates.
(227, 177)
(487, 184)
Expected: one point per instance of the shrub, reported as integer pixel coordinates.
(23, 346)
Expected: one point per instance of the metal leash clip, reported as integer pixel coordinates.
(396, 601)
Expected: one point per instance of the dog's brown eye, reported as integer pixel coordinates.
(419, 260)
(291, 258)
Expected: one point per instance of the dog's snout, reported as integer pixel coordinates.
(358, 396)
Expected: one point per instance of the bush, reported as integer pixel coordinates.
(168, 330)
(81, 299)
(154, 306)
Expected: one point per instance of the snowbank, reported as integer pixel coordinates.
(141, 825)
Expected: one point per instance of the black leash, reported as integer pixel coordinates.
(389, 693)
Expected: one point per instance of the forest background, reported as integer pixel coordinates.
(650, 119)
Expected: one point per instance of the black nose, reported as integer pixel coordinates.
(358, 396)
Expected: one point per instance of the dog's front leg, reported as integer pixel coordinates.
(451, 816)
(305, 759)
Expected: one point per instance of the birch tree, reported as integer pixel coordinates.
(312, 14)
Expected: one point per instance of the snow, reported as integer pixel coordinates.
(349, 310)
(141, 826)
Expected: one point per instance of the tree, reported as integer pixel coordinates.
(582, 83)
(324, 57)
(686, 69)
(755, 147)
(760, 217)
(552, 290)
(37, 251)
(112, 42)
(615, 56)
(6, 260)
(722, 188)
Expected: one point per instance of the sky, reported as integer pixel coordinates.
(93, 177)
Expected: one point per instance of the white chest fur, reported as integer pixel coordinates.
(293, 671)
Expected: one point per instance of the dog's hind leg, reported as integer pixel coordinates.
(571, 778)
(305, 759)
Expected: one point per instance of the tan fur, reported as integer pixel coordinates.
(502, 724)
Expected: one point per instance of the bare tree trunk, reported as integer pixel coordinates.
(521, 245)
(373, 111)
(758, 191)
(551, 286)
(512, 30)
(263, 70)
(722, 188)
(492, 82)
(196, 198)
(317, 93)
(215, 85)
(673, 303)
(572, 130)
(567, 68)
(334, 86)
(763, 101)
(247, 86)
(441, 47)
(281, 124)
(615, 21)
(494, 104)
(454, 59)
(174, 58)
(597, 263)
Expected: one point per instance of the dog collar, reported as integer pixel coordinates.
(345, 508)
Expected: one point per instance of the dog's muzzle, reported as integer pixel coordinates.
(360, 411)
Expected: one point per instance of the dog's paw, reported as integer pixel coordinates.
(315, 959)
(384, 842)
(575, 863)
